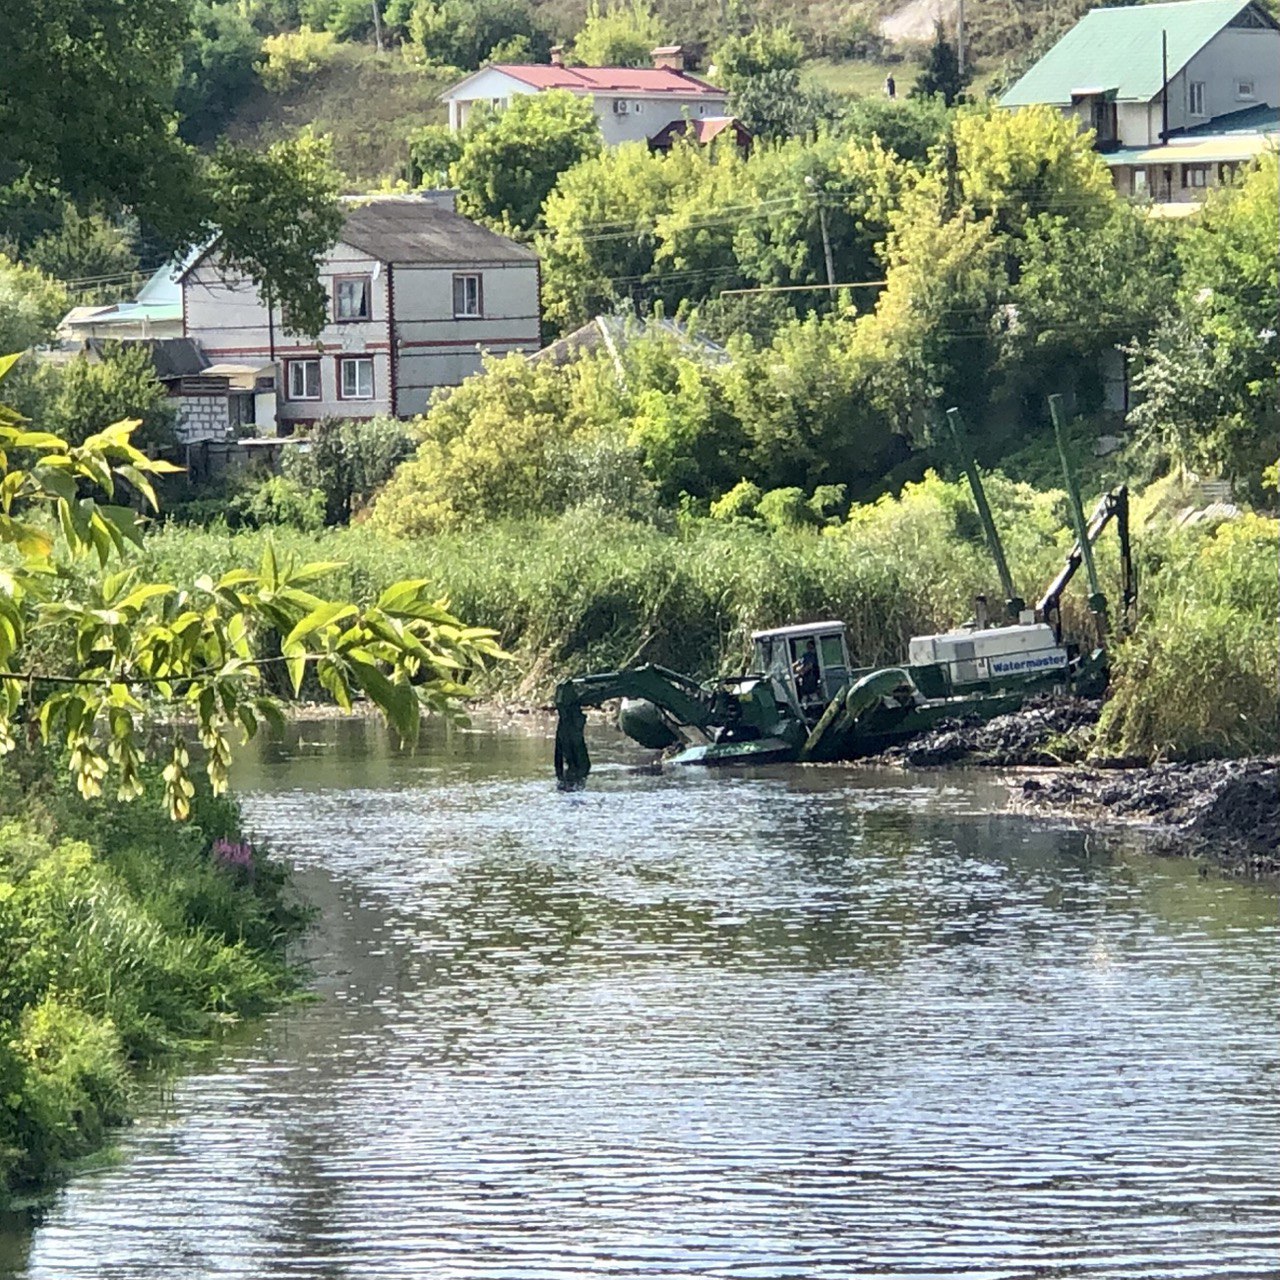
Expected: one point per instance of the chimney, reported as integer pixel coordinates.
(668, 57)
(557, 55)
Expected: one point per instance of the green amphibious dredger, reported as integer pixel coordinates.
(789, 708)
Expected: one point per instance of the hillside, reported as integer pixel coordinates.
(369, 103)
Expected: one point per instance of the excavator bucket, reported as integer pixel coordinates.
(573, 763)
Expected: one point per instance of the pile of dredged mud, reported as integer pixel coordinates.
(1046, 731)
(1225, 811)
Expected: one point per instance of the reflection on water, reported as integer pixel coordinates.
(793, 1023)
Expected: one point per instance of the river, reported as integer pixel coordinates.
(798, 1022)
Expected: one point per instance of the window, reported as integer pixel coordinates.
(1195, 98)
(468, 297)
(1139, 182)
(1244, 91)
(1195, 175)
(638, 107)
(304, 379)
(355, 378)
(351, 298)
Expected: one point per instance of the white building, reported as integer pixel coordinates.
(417, 294)
(632, 103)
(1140, 74)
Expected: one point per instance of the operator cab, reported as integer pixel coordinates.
(779, 655)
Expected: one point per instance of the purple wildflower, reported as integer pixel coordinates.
(233, 855)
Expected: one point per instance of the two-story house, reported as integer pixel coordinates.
(417, 294)
(631, 103)
(1177, 94)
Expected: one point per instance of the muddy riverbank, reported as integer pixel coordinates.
(1226, 812)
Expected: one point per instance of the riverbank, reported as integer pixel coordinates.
(1223, 812)
(127, 941)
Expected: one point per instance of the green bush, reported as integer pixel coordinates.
(293, 56)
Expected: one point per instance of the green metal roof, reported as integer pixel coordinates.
(1119, 50)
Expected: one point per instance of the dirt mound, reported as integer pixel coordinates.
(915, 20)
(1046, 731)
(1227, 811)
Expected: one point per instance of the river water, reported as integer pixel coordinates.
(819, 1022)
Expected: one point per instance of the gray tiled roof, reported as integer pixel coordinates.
(408, 229)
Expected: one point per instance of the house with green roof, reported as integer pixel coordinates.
(1146, 77)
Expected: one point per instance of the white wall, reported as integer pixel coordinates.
(647, 116)
(488, 86)
(230, 322)
(434, 348)
(1234, 54)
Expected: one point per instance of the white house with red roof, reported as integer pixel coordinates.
(632, 103)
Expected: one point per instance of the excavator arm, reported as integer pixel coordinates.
(685, 700)
(1111, 506)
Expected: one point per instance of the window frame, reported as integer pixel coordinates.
(300, 363)
(460, 277)
(1246, 90)
(1192, 171)
(1196, 94)
(366, 281)
(343, 362)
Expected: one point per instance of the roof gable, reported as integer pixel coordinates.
(1119, 50)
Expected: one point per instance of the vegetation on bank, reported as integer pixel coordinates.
(126, 940)
(593, 590)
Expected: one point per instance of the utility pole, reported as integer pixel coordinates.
(822, 222)
(377, 25)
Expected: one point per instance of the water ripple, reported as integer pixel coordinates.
(804, 1023)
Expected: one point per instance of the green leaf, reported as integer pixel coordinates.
(295, 658)
(322, 616)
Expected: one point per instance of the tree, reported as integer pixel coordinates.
(617, 33)
(86, 92)
(599, 240)
(31, 304)
(1205, 382)
(90, 249)
(777, 104)
(909, 127)
(941, 75)
(87, 115)
(433, 149)
(760, 51)
(217, 68)
(348, 462)
(276, 212)
(511, 160)
(463, 33)
(119, 650)
(85, 396)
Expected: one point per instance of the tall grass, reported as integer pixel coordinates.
(591, 592)
(124, 939)
(1200, 676)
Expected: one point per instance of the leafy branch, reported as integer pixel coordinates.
(136, 649)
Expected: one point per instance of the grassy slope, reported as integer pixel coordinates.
(370, 104)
